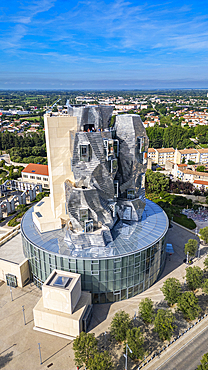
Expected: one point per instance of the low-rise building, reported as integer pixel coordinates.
(200, 183)
(36, 174)
(191, 176)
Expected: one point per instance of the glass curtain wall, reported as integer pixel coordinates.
(109, 280)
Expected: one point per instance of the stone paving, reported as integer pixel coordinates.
(19, 342)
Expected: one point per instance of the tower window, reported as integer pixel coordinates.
(116, 188)
(83, 214)
(85, 152)
(130, 194)
(140, 144)
(113, 165)
(89, 226)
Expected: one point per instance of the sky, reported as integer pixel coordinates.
(108, 44)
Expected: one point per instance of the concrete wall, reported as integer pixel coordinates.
(21, 271)
(61, 322)
(60, 132)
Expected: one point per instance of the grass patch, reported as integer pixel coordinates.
(184, 221)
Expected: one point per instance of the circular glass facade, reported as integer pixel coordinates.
(109, 279)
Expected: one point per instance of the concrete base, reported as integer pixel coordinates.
(53, 333)
(61, 322)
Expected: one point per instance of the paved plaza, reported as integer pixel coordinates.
(19, 342)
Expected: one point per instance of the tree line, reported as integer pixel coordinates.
(176, 136)
(24, 148)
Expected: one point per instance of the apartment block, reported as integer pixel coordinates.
(160, 156)
(190, 154)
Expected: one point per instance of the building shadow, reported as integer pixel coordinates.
(5, 359)
(100, 313)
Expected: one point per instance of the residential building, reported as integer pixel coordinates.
(199, 183)
(203, 155)
(186, 155)
(36, 174)
(160, 156)
(189, 175)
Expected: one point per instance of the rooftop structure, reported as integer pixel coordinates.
(63, 305)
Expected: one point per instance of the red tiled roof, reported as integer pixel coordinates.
(38, 169)
(200, 182)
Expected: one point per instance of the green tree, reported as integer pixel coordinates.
(171, 290)
(204, 362)
(156, 182)
(200, 168)
(146, 310)
(163, 324)
(188, 305)
(205, 286)
(135, 341)
(120, 323)
(84, 346)
(206, 263)
(204, 234)
(194, 276)
(40, 196)
(183, 160)
(191, 247)
(100, 361)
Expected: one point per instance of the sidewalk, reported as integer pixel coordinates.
(177, 346)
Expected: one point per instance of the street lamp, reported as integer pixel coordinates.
(187, 259)
(126, 355)
(199, 251)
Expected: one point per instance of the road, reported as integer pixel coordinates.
(189, 356)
